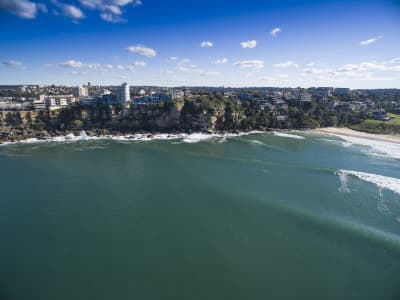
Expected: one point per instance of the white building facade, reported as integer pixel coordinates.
(80, 92)
(55, 102)
(124, 94)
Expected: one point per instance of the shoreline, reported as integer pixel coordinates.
(344, 131)
(83, 135)
(189, 137)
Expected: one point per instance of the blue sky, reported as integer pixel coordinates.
(352, 44)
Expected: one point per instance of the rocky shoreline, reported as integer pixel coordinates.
(14, 136)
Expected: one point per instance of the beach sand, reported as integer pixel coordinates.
(359, 134)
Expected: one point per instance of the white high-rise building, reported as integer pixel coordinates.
(123, 93)
(80, 91)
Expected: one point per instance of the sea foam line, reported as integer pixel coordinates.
(380, 181)
(379, 148)
(287, 135)
(144, 137)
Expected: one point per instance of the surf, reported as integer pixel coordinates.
(383, 182)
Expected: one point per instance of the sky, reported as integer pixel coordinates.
(284, 43)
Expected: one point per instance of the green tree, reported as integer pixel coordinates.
(78, 123)
(28, 117)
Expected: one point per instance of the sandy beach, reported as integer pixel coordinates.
(349, 132)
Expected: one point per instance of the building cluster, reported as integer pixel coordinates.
(381, 115)
(277, 100)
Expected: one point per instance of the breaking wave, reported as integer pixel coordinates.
(373, 147)
(338, 142)
(382, 182)
(343, 183)
(287, 135)
(183, 137)
(199, 137)
(256, 142)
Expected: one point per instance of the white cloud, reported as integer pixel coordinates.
(13, 64)
(206, 44)
(173, 58)
(209, 73)
(251, 64)
(167, 72)
(249, 44)
(112, 18)
(69, 11)
(114, 9)
(395, 60)
(72, 12)
(311, 64)
(71, 64)
(287, 64)
(22, 8)
(370, 41)
(186, 63)
(368, 71)
(395, 68)
(220, 61)
(111, 10)
(267, 78)
(139, 64)
(76, 64)
(361, 67)
(142, 50)
(274, 32)
(316, 70)
(132, 66)
(74, 72)
(42, 7)
(99, 4)
(97, 67)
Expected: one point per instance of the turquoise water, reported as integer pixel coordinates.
(251, 217)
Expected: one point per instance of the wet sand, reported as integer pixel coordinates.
(359, 134)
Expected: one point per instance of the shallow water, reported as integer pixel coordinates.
(263, 216)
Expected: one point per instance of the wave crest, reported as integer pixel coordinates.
(383, 182)
(374, 147)
(144, 137)
(287, 135)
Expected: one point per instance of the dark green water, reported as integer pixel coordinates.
(255, 217)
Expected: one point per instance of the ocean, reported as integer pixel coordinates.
(261, 216)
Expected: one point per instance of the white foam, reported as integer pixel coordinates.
(340, 142)
(198, 137)
(374, 147)
(223, 140)
(71, 138)
(380, 181)
(287, 135)
(256, 142)
(343, 183)
(382, 203)
(186, 138)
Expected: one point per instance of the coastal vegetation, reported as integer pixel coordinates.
(376, 126)
(205, 112)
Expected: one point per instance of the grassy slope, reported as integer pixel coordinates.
(375, 126)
